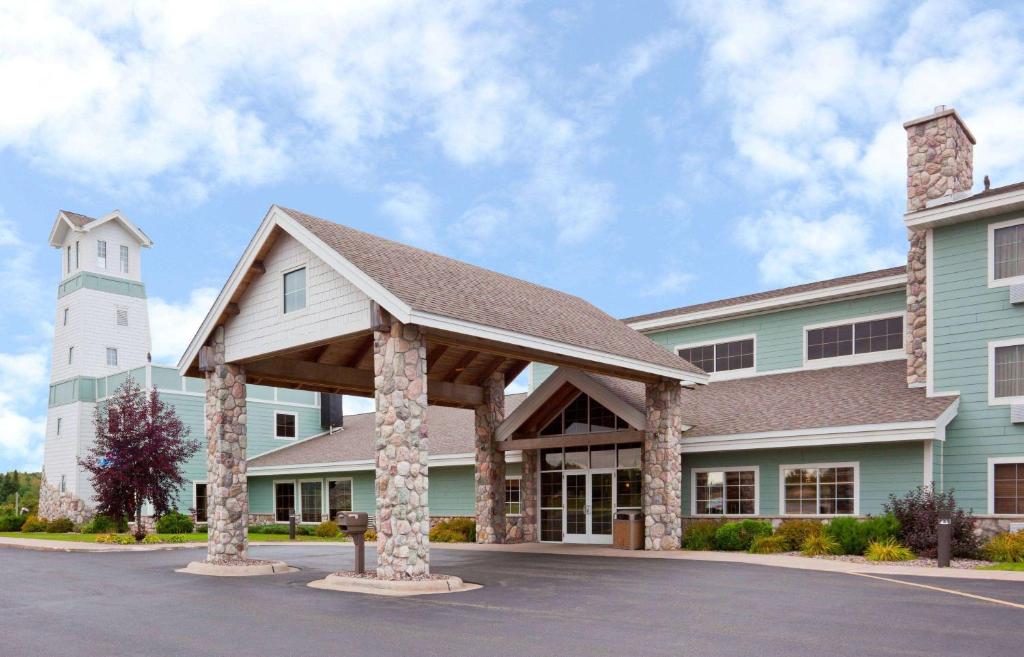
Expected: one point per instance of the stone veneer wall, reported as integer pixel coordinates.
(54, 504)
(527, 526)
(227, 483)
(940, 162)
(489, 475)
(663, 467)
(403, 517)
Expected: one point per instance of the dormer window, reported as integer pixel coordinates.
(101, 254)
(295, 290)
(124, 259)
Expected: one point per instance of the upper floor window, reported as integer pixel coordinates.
(721, 357)
(65, 316)
(124, 259)
(284, 425)
(856, 338)
(1006, 252)
(71, 355)
(295, 290)
(111, 357)
(122, 317)
(59, 422)
(77, 253)
(1007, 371)
(101, 254)
(69, 258)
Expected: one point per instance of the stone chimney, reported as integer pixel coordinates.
(940, 169)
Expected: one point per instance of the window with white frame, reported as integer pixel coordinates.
(1007, 370)
(295, 290)
(1007, 486)
(312, 499)
(339, 496)
(721, 356)
(829, 489)
(111, 357)
(77, 253)
(69, 258)
(865, 337)
(124, 259)
(284, 499)
(199, 500)
(1006, 252)
(726, 491)
(101, 254)
(284, 425)
(513, 496)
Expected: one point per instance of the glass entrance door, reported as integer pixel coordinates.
(589, 506)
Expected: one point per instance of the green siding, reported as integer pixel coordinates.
(92, 281)
(966, 315)
(260, 430)
(165, 378)
(884, 469)
(780, 338)
(296, 396)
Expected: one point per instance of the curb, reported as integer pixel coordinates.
(221, 570)
(393, 588)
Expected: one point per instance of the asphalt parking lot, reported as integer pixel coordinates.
(531, 604)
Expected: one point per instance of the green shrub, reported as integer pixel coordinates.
(855, 535)
(1005, 547)
(151, 539)
(11, 522)
(102, 525)
(888, 549)
(820, 544)
(34, 525)
(700, 535)
(124, 539)
(769, 544)
(327, 529)
(796, 531)
(274, 528)
(104, 538)
(455, 530)
(174, 523)
(60, 526)
(737, 536)
(176, 538)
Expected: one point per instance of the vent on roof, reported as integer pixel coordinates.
(1017, 293)
(1017, 413)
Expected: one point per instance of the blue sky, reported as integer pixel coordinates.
(641, 155)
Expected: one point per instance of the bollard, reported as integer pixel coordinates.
(945, 535)
(291, 524)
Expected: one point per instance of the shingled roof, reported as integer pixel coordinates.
(837, 396)
(450, 431)
(772, 294)
(77, 219)
(439, 285)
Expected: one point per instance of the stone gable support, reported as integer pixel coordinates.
(227, 488)
(403, 519)
(663, 467)
(490, 464)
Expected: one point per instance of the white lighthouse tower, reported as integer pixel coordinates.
(101, 329)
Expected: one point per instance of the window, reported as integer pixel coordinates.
(339, 496)
(828, 489)
(1008, 371)
(71, 355)
(77, 251)
(725, 492)
(200, 501)
(284, 425)
(1007, 487)
(295, 290)
(101, 254)
(124, 259)
(1006, 253)
(284, 500)
(312, 500)
(865, 337)
(63, 484)
(111, 357)
(69, 258)
(513, 497)
(59, 425)
(122, 317)
(583, 415)
(65, 317)
(721, 357)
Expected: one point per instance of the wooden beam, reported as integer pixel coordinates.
(232, 310)
(460, 395)
(321, 351)
(435, 354)
(380, 319)
(575, 440)
(362, 349)
(460, 367)
(489, 369)
(514, 370)
(295, 373)
(258, 267)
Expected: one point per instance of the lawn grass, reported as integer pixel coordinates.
(1004, 566)
(201, 538)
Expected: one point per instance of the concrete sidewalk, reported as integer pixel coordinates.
(86, 546)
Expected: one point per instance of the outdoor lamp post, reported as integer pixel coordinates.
(945, 535)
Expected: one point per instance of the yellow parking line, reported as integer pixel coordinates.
(1006, 603)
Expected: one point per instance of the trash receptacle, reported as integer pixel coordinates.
(628, 530)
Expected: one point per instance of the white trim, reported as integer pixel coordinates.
(807, 466)
(327, 497)
(928, 461)
(305, 295)
(745, 468)
(518, 478)
(295, 417)
(140, 236)
(992, 399)
(298, 499)
(990, 267)
(992, 462)
(810, 297)
(724, 375)
(440, 461)
(295, 498)
(582, 382)
(979, 208)
(854, 358)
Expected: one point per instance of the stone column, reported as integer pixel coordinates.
(403, 519)
(663, 467)
(490, 463)
(227, 485)
(528, 492)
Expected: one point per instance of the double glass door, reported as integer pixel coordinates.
(589, 506)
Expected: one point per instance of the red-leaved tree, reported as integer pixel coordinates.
(140, 448)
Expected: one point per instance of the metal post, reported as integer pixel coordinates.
(291, 524)
(945, 535)
(360, 547)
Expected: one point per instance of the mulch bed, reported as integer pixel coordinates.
(372, 574)
(240, 562)
(964, 564)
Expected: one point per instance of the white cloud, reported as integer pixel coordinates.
(478, 226)
(668, 282)
(796, 250)
(23, 381)
(411, 206)
(356, 405)
(172, 325)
